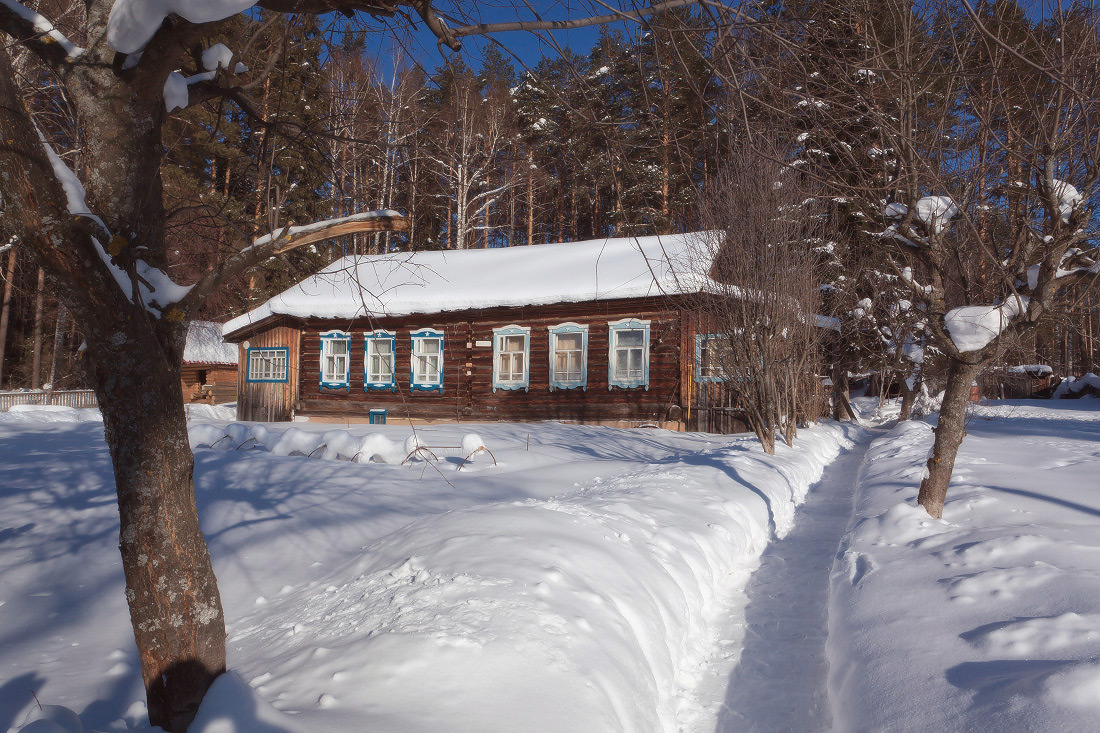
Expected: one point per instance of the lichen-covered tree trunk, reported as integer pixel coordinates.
(950, 432)
(171, 589)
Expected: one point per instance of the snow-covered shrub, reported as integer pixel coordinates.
(296, 441)
(205, 436)
(472, 443)
(381, 449)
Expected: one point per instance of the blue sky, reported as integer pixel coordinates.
(524, 48)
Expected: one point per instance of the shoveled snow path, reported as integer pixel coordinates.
(780, 680)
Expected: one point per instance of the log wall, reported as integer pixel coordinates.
(468, 368)
(218, 387)
(269, 401)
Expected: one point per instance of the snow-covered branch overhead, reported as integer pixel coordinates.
(37, 32)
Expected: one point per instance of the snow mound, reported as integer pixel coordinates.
(231, 706)
(603, 597)
(52, 719)
(51, 413)
(227, 412)
(1077, 387)
(900, 524)
(297, 441)
(379, 448)
(331, 445)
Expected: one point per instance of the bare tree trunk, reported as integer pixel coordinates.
(5, 314)
(842, 405)
(949, 436)
(908, 397)
(39, 308)
(530, 198)
(58, 344)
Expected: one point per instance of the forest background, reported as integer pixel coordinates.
(480, 151)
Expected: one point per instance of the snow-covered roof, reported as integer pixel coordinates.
(205, 345)
(436, 282)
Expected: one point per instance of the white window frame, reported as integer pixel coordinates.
(500, 337)
(701, 341)
(557, 381)
(376, 337)
(614, 352)
(338, 380)
(273, 363)
(417, 339)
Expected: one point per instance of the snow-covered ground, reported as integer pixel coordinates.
(988, 620)
(596, 579)
(581, 584)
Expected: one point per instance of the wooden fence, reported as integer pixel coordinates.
(68, 398)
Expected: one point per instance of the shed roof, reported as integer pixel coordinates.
(205, 345)
(441, 281)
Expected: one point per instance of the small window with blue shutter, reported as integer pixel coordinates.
(511, 357)
(336, 360)
(568, 356)
(379, 348)
(711, 352)
(628, 354)
(426, 369)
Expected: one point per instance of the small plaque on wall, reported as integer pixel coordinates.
(483, 343)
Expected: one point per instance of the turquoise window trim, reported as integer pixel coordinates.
(286, 365)
(332, 337)
(614, 328)
(700, 338)
(421, 335)
(380, 335)
(556, 382)
(498, 336)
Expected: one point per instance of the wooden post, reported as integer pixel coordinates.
(39, 307)
(7, 310)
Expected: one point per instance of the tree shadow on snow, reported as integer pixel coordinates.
(996, 682)
(15, 695)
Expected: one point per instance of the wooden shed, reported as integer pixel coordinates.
(593, 332)
(209, 372)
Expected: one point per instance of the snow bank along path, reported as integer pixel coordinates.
(576, 586)
(988, 620)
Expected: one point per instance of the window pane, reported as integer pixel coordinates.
(630, 338)
(429, 346)
(569, 341)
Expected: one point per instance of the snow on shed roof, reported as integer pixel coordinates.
(435, 282)
(205, 345)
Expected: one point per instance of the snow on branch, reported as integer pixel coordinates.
(37, 32)
(132, 23)
(292, 237)
(176, 86)
(974, 327)
(144, 284)
(289, 238)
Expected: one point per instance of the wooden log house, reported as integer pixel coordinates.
(209, 373)
(602, 331)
